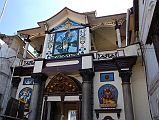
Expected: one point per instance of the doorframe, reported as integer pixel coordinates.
(60, 98)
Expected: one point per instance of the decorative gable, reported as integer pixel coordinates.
(67, 25)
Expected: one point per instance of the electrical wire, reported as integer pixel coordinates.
(3, 9)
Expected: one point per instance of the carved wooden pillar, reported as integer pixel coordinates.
(87, 94)
(37, 96)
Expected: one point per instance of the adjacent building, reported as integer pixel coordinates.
(11, 53)
(147, 31)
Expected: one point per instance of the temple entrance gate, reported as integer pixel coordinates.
(62, 99)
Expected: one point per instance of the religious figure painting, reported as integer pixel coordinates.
(25, 96)
(66, 42)
(67, 24)
(28, 81)
(108, 95)
(106, 77)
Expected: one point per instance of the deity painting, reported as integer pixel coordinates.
(67, 24)
(28, 81)
(105, 77)
(108, 95)
(25, 96)
(66, 42)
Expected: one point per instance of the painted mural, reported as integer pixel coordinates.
(82, 41)
(28, 81)
(106, 77)
(108, 95)
(67, 39)
(66, 42)
(25, 96)
(50, 44)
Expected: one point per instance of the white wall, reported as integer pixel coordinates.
(117, 83)
(146, 11)
(154, 103)
(151, 63)
(139, 92)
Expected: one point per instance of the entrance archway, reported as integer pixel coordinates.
(63, 98)
(108, 118)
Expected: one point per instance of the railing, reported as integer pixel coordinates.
(6, 117)
(28, 62)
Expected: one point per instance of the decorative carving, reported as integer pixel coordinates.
(67, 24)
(65, 55)
(117, 25)
(61, 83)
(125, 75)
(105, 56)
(82, 40)
(87, 74)
(125, 62)
(109, 23)
(50, 45)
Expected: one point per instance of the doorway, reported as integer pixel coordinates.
(64, 111)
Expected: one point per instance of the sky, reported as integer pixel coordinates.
(24, 14)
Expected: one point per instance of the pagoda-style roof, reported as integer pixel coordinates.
(66, 13)
(103, 31)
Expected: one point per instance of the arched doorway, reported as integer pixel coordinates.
(108, 118)
(63, 101)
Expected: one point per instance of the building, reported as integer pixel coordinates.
(147, 22)
(88, 68)
(11, 54)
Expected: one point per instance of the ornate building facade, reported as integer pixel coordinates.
(88, 69)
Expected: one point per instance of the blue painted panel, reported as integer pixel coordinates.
(105, 77)
(28, 81)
